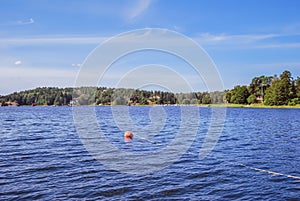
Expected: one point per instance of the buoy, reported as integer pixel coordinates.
(128, 135)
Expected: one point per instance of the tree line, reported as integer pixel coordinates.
(269, 90)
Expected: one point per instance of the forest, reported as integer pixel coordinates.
(267, 90)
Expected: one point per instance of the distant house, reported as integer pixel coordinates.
(259, 99)
(9, 104)
(155, 97)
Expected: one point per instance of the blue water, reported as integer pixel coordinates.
(42, 157)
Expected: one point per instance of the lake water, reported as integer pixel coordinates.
(43, 157)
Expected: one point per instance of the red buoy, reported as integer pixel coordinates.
(128, 135)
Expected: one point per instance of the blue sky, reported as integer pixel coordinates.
(43, 43)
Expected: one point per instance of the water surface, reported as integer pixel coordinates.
(42, 157)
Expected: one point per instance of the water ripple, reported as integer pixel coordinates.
(43, 158)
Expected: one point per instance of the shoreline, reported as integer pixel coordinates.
(256, 106)
(182, 105)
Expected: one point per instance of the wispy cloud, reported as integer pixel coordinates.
(140, 7)
(76, 65)
(279, 45)
(54, 40)
(24, 22)
(225, 38)
(249, 41)
(17, 63)
(219, 41)
(18, 22)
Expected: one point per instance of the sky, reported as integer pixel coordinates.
(46, 43)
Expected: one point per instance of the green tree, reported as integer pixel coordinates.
(186, 102)
(83, 99)
(286, 85)
(119, 101)
(270, 97)
(259, 85)
(2, 103)
(194, 101)
(293, 90)
(252, 99)
(217, 97)
(297, 83)
(294, 101)
(228, 95)
(206, 98)
(239, 95)
(280, 91)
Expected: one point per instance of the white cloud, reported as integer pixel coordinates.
(279, 45)
(19, 22)
(248, 41)
(225, 38)
(140, 7)
(24, 22)
(17, 63)
(76, 65)
(177, 28)
(207, 39)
